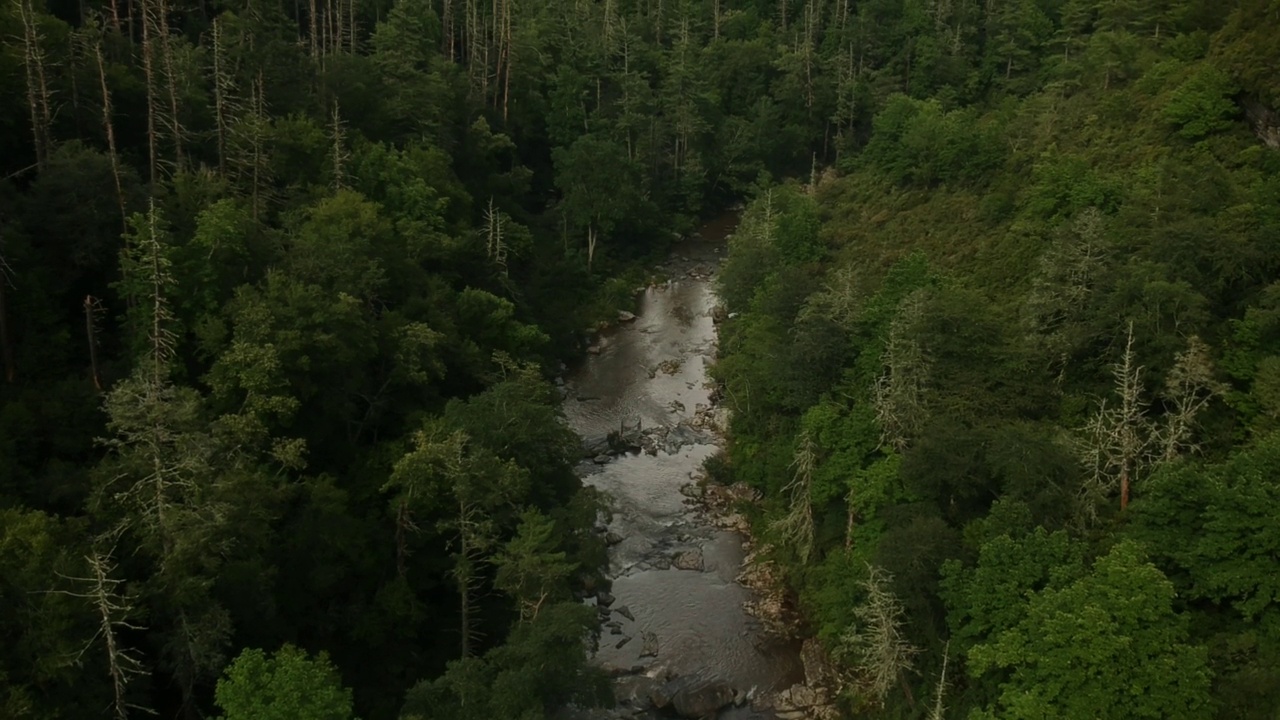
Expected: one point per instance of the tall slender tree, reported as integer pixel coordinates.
(38, 94)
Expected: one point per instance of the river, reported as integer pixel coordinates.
(649, 375)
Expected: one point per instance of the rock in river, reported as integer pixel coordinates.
(649, 648)
(688, 560)
(604, 599)
(693, 697)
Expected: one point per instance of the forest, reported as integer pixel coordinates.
(284, 287)
(1006, 369)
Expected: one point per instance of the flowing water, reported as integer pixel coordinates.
(651, 373)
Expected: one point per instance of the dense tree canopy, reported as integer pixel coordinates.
(282, 287)
(1027, 361)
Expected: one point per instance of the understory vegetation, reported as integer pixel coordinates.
(1006, 373)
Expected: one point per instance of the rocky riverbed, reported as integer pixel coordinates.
(685, 630)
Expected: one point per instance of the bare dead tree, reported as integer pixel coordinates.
(338, 137)
(447, 39)
(405, 527)
(248, 161)
(6, 343)
(74, 59)
(1116, 443)
(811, 19)
(92, 308)
(593, 238)
(1069, 273)
(504, 57)
(224, 92)
(899, 393)
(477, 57)
(94, 37)
(173, 115)
(495, 237)
(940, 690)
(115, 16)
(149, 75)
(876, 645)
(797, 526)
(33, 58)
(353, 30)
(1190, 387)
(114, 609)
(473, 540)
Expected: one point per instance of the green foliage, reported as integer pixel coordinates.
(1107, 643)
(917, 142)
(1203, 104)
(45, 625)
(1211, 525)
(1016, 184)
(285, 685)
(316, 339)
(990, 599)
(540, 668)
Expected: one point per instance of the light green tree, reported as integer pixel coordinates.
(286, 685)
(1109, 645)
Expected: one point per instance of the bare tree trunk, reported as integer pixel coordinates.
(940, 690)
(506, 57)
(592, 237)
(90, 305)
(6, 345)
(149, 75)
(472, 39)
(352, 28)
(171, 83)
(259, 117)
(113, 610)
(339, 27)
(220, 78)
(810, 30)
(37, 86)
(108, 127)
(446, 19)
(1132, 443)
(339, 152)
(74, 75)
(470, 545)
(312, 20)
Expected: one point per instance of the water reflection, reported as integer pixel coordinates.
(652, 372)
